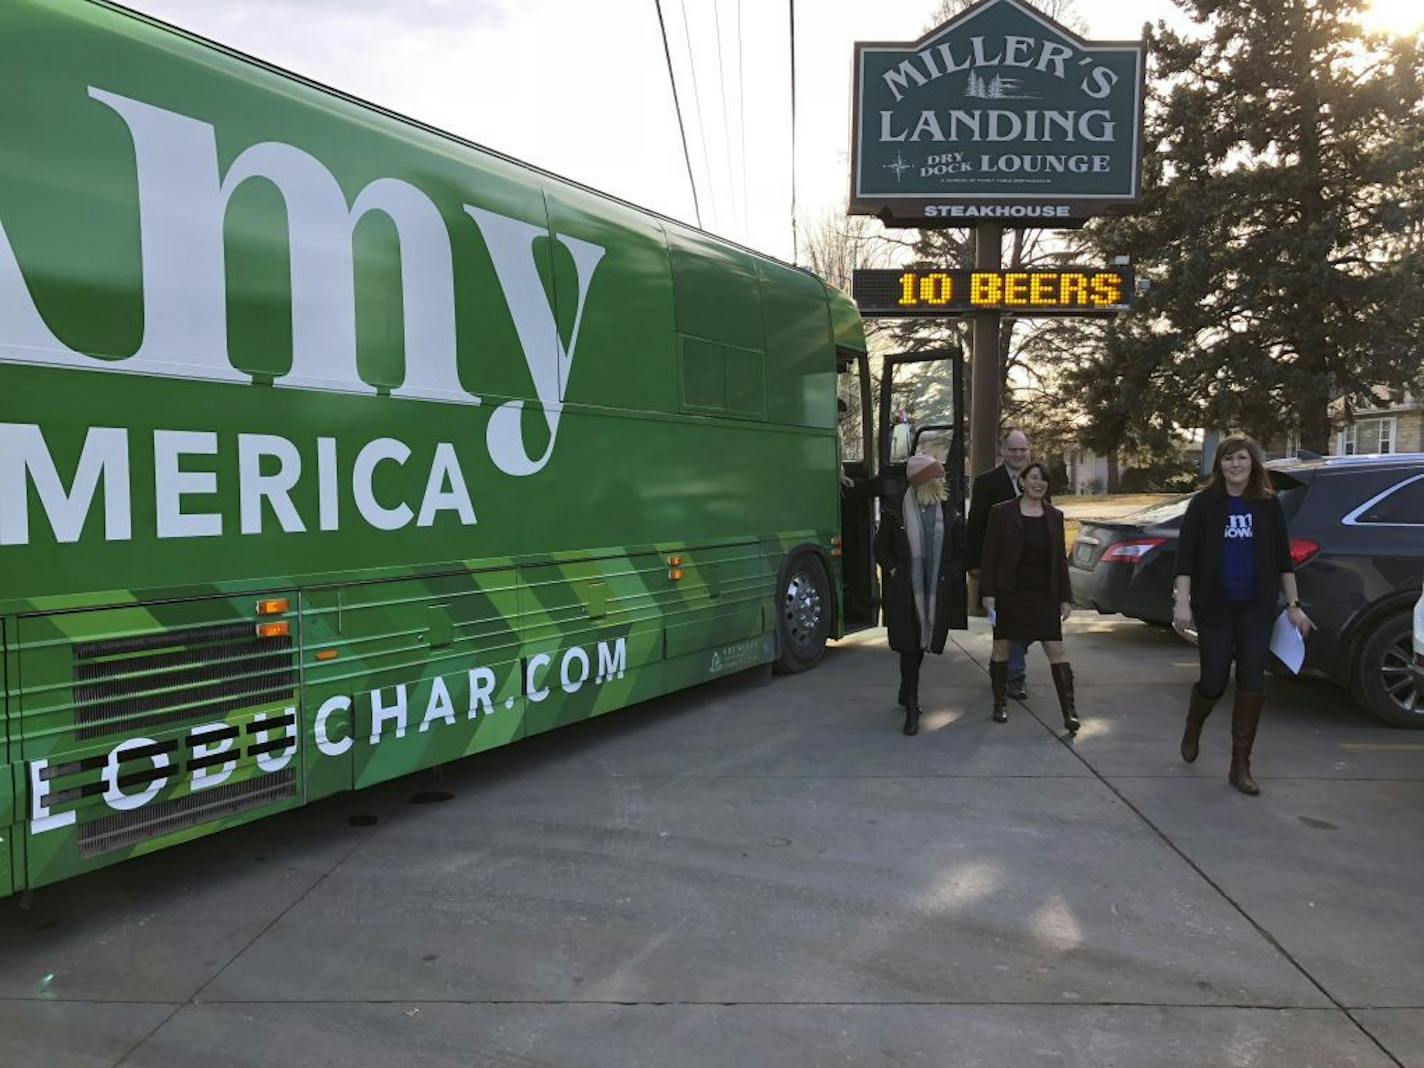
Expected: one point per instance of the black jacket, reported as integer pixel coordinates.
(892, 553)
(990, 488)
(1201, 546)
(1003, 550)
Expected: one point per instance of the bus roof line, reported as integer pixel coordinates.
(351, 98)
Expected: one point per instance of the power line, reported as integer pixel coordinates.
(742, 116)
(678, 108)
(726, 121)
(701, 118)
(795, 244)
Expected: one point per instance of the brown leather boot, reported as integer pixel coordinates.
(1245, 716)
(1197, 710)
(1063, 683)
(999, 687)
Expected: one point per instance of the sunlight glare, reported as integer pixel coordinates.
(1055, 926)
(1393, 16)
(963, 885)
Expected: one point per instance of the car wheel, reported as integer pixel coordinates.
(803, 614)
(1382, 680)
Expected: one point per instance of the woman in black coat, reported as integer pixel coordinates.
(1023, 577)
(923, 587)
(1233, 560)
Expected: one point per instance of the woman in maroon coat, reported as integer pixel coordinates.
(1023, 577)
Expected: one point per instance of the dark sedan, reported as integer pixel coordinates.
(1357, 539)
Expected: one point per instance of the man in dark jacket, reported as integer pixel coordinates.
(991, 488)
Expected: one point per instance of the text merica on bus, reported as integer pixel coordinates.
(333, 447)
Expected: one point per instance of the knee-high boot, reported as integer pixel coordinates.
(1198, 708)
(910, 690)
(1245, 717)
(999, 687)
(1063, 683)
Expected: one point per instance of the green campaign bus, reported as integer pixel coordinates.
(333, 447)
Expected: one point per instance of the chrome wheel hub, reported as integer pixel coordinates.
(802, 609)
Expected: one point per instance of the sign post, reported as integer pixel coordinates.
(999, 116)
(986, 400)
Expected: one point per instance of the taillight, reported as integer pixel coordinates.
(1131, 552)
(1302, 549)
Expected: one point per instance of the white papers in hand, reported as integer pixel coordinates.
(1287, 643)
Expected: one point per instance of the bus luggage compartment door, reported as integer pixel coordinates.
(147, 725)
(9, 767)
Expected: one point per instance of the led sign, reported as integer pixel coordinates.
(911, 292)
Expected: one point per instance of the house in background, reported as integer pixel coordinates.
(1381, 424)
(1087, 472)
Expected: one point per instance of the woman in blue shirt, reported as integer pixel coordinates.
(1233, 559)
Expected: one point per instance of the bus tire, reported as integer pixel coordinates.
(804, 608)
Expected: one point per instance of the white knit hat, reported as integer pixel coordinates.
(921, 468)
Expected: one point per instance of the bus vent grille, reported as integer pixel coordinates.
(131, 685)
(124, 829)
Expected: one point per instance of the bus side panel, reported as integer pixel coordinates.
(592, 632)
(429, 666)
(625, 351)
(800, 351)
(154, 724)
(721, 626)
(9, 815)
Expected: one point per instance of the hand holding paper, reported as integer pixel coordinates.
(1287, 643)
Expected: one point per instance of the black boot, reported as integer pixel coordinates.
(910, 689)
(999, 687)
(1198, 708)
(1063, 683)
(1245, 717)
(910, 678)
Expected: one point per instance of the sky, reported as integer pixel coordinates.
(582, 89)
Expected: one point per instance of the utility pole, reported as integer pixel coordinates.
(986, 359)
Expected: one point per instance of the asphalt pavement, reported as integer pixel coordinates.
(767, 872)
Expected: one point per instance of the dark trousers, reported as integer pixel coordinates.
(910, 672)
(1243, 634)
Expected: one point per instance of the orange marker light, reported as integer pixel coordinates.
(274, 630)
(674, 561)
(838, 540)
(675, 573)
(328, 654)
(274, 607)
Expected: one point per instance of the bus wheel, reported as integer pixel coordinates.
(804, 615)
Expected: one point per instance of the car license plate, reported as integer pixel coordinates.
(1083, 554)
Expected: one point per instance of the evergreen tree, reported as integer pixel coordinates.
(1283, 223)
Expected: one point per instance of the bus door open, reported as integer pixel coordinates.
(860, 593)
(944, 439)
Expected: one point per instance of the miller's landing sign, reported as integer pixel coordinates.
(1001, 114)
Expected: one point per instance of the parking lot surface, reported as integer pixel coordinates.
(768, 872)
